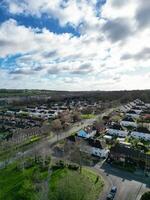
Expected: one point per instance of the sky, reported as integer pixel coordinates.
(75, 44)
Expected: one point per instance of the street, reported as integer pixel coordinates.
(46, 142)
(129, 186)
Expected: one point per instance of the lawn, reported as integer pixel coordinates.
(19, 184)
(87, 116)
(28, 182)
(70, 184)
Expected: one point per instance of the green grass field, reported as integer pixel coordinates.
(25, 180)
(68, 184)
(17, 183)
(87, 116)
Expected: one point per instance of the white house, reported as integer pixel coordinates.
(137, 111)
(115, 132)
(147, 105)
(102, 153)
(140, 135)
(107, 137)
(133, 114)
(128, 121)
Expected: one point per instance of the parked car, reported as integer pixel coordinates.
(112, 193)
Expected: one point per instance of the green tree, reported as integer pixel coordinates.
(146, 196)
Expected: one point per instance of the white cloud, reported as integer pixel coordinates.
(103, 57)
(72, 11)
(119, 9)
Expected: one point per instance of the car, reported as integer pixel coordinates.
(112, 193)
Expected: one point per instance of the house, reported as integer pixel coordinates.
(133, 114)
(89, 129)
(126, 153)
(102, 153)
(82, 133)
(123, 109)
(98, 148)
(128, 121)
(146, 117)
(107, 137)
(147, 105)
(87, 132)
(141, 133)
(116, 130)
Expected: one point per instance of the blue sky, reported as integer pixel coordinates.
(75, 44)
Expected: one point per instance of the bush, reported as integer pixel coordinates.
(29, 163)
(73, 166)
(59, 165)
(146, 196)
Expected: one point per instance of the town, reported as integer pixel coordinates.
(99, 135)
(74, 100)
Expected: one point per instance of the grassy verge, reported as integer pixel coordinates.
(70, 184)
(87, 116)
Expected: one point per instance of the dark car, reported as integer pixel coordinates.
(112, 193)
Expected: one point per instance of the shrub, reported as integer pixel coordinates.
(146, 196)
(29, 163)
(73, 166)
(59, 165)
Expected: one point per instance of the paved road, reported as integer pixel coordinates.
(48, 142)
(129, 186)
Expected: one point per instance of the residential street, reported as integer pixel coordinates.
(129, 186)
(46, 142)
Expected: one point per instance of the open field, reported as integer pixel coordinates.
(75, 185)
(29, 179)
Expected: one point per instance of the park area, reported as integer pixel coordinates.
(36, 178)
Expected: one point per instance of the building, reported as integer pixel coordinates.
(98, 148)
(116, 130)
(128, 121)
(102, 153)
(133, 113)
(82, 133)
(126, 153)
(141, 133)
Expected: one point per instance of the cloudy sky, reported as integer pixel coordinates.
(75, 44)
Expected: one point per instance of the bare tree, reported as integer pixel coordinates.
(76, 116)
(56, 126)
